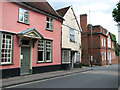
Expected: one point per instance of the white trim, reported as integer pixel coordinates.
(31, 50)
(65, 62)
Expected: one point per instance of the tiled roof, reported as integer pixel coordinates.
(63, 11)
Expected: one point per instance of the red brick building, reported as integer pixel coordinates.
(103, 44)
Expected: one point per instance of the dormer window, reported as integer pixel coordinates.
(23, 15)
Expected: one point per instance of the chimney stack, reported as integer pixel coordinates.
(83, 22)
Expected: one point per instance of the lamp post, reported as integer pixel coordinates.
(91, 59)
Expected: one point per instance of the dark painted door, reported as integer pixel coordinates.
(25, 61)
(72, 59)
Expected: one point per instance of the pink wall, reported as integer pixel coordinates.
(37, 21)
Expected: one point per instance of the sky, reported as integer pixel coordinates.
(99, 11)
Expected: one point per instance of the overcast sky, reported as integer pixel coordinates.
(100, 11)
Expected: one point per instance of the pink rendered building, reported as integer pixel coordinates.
(30, 35)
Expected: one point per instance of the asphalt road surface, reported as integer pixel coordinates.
(102, 77)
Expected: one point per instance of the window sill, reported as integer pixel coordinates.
(23, 22)
(72, 41)
(49, 29)
(44, 62)
(6, 64)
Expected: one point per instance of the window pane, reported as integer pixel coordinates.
(3, 41)
(2, 55)
(47, 55)
(26, 16)
(8, 55)
(72, 32)
(47, 25)
(8, 59)
(5, 59)
(20, 17)
(72, 38)
(72, 35)
(51, 26)
(2, 50)
(8, 37)
(40, 55)
(6, 46)
(21, 10)
(3, 45)
(2, 60)
(47, 18)
(9, 41)
(25, 20)
(51, 20)
(26, 12)
(3, 36)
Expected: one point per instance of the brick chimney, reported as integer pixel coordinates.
(85, 59)
(83, 22)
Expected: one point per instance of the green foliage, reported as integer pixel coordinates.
(116, 13)
(113, 38)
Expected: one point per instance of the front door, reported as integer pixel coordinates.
(72, 59)
(25, 60)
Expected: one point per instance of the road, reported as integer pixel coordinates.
(102, 77)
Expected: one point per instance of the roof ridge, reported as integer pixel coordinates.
(64, 7)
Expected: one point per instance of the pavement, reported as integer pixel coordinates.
(40, 76)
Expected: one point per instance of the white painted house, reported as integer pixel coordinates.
(71, 38)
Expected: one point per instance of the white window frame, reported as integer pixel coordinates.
(105, 55)
(48, 49)
(24, 15)
(72, 34)
(49, 23)
(109, 42)
(102, 42)
(41, 48)
(7, 49)
(67, 52)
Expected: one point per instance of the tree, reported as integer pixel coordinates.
(116, 13)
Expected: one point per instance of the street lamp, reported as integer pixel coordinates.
(91, 59)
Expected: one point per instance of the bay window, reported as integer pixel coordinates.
(44, 51)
